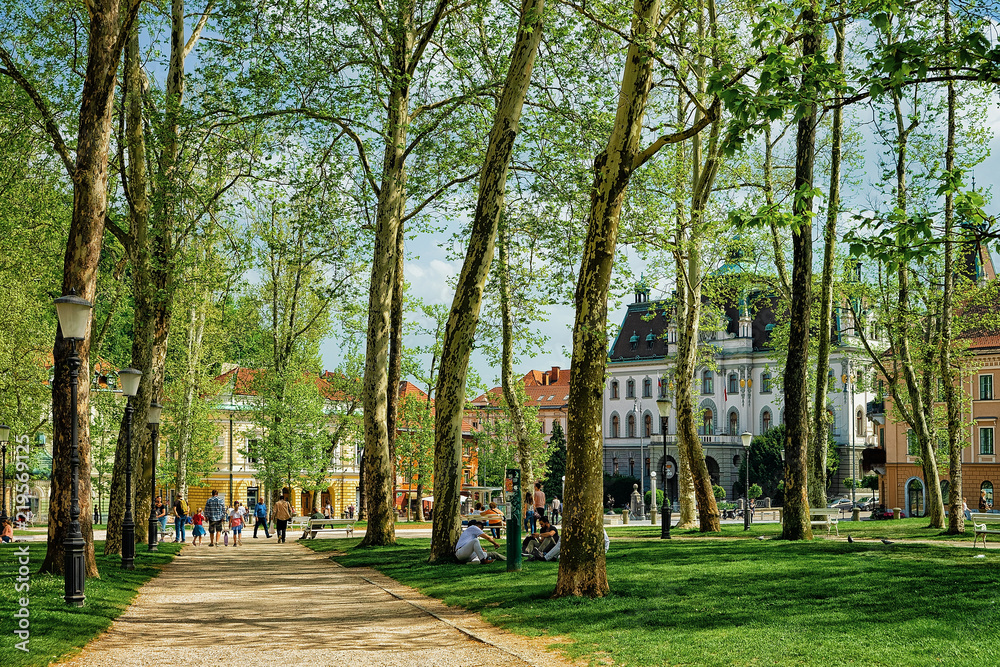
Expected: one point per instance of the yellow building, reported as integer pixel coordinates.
(236, 477)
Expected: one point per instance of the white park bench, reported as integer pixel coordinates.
(313, 526)
(825, 517)
(985, 524)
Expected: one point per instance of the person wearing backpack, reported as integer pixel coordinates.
(180, 518)
(260, 514)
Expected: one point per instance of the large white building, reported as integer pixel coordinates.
(739, 391)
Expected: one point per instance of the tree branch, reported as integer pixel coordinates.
(428, 30)
(676, 137)
(437, 193)
(196, 33)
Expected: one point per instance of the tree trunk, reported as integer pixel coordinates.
(143, 295)
(376, 461)
(795, 518)
(581, 562)
(461, 329)
(514, 408)
(821, 421)
(107, 37)
(956, 517)
(394, 402)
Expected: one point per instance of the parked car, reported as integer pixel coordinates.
(840, 504)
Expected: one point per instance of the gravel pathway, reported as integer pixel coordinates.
(283, 604)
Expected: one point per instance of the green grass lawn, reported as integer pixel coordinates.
(56, 629)
(735, 602)
(902, 529)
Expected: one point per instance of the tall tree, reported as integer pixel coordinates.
(451, 391)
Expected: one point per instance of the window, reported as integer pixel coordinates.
(912, 445)
(707, 423)
(631, 467)
(647, 466)
(734, 383)
(615, 426)
(647, 388)
(252, 451)
(630, 389)
(987, 488)
(614, 465)
(734, 423)
(986, 387)
(881, 438)
(648, 426)
(986, 441)
(859, 423)
(614, 389)
(765, 383)
(707, 384)
(650, 339)
(765, 421)
(630, 432)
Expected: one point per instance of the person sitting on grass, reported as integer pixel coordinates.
(536, 545)
(468, 549)
(553, 553)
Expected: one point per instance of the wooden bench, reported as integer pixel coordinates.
(827, 517)
(985, 524)
(492, 521)
(313, 526)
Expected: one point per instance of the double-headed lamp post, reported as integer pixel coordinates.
(74, 316)
(746, 437)
(4, 439)
(130, 386)
(663, 405)
(153, 419)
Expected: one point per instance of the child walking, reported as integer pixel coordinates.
(236, 523)
(199, 528)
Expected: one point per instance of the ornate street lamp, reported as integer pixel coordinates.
(153, 419)
(746, 437)
(4, 439)
(130, 386)
(74, 315)
(663, 405)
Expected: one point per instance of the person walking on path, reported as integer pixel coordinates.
(198, 532)
(260, 514)
(215, 512)
(556, 506)
(538, 498)
(180, 518)
(283, 513)
(236, 523)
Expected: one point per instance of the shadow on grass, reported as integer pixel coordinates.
(736, 602)
(56, 629)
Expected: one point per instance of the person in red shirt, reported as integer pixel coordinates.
(198, 533)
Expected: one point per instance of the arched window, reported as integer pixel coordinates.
(765, 421)
(915, 496)
(987, 488)
(707, 384)
(713, 469)
(615, 426)
(707, 423)
(734, 423)
(647, 388)
(631, 467)
(614, 389)
(630, 427)
(648, 425)
(630, 389)
(734, 383)
(859, 423)
(765, 383)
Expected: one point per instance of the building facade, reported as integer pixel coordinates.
(737, 390)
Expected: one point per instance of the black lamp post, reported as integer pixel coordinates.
(74, 316)
(130, 385)
(663, 405)
(153, 419)
(4, 439)
(746, 437)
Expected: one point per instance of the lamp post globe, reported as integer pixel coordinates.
(746, 437)
(153, 419)
(130, 386)
(73, 313)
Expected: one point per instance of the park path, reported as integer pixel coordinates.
(283, 604)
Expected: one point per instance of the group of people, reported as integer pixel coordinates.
(541, 543)
(222, 520)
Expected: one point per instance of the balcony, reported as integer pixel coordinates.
(875, 411)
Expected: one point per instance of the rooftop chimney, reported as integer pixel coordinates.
(554, 375)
